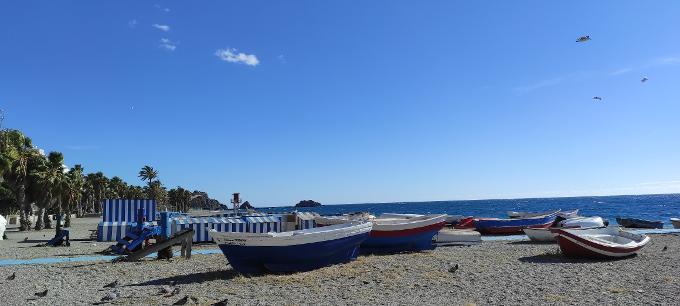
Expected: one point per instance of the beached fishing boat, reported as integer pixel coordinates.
(513, 225)
(302, 250)
(607, 242)
(398, 234)
(565, 214)
(638, 223)
(449, 236)
(546, 234)
(675, 222)
(340, 219)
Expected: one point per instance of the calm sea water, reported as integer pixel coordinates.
(652, 207)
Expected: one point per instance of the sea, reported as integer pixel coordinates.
(651, 207)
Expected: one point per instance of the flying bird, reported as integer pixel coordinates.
(112, 285)
(583, 38)
(644, 79)
(597, 98)
(12, 277)
(41, 294)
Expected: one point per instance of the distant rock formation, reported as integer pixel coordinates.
(246, 205)
(308, 203)
(201, 200)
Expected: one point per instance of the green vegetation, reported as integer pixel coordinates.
(31, 181)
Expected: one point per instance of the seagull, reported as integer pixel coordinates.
(12, 277)
(182, 301)
(165, 290)
(583, 38)
(132, 108)
(644, 79)
(454, 269)
(41, 294)
(112, 285)
(175, 291)
(110, 296)
(597, 98)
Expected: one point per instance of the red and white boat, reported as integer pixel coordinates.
(607, 242)
(547, 235)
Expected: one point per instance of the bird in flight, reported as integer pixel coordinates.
(644, 79)
(583, 38)
(597, 98)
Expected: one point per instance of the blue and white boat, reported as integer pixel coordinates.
(638, 223)
(302, 250)
(403, 233)
(513, 226)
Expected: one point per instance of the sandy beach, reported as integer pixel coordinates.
(492, 273)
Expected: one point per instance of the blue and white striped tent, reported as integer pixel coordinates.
(202, 225)
(305, 220)
(123, 210)
(230, 225)
(263, 224)
(112, 231)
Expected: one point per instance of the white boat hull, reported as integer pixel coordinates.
(675, 222)
(456, 236)
(540, 234)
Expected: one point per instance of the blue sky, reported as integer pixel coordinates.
(353, 101)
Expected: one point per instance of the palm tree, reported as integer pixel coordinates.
(52, 179)
(117, 187)
(74, 192)
(148, 173)
(134, 192)
(101, 183)
(17, 150)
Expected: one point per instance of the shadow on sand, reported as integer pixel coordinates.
(529, 242)
(559, 258)
(191, 278)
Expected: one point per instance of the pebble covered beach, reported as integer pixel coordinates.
(491, 273)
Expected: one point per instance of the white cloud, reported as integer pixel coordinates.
(531, 87)
(233, 56)
(164, 9)
(168, 44)
(281, 58)
(667, 61)
(132, 23)
(161, 27)
(621, 71)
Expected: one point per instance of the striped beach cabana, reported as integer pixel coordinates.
(263, 224)
(112, 231)
(201, 226)
(124, 210)
(305, 220)
(230, 225)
